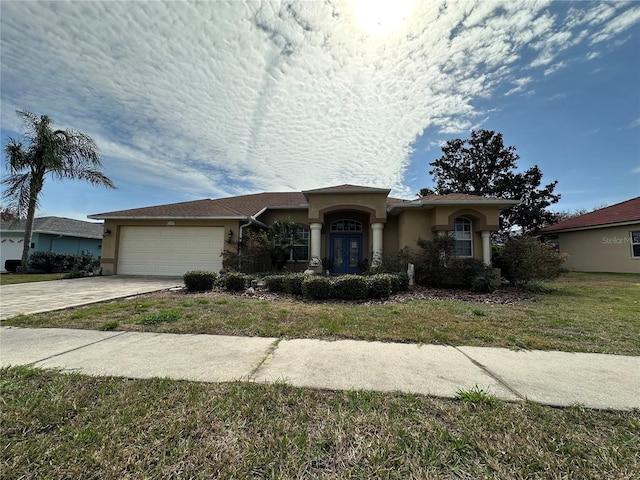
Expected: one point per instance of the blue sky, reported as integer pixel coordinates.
(211, 99)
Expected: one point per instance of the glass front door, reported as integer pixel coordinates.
(346, 253)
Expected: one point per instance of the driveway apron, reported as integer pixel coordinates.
(39, 297)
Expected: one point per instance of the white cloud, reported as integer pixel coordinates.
(554, 68)
(222, 98)
(635, 170)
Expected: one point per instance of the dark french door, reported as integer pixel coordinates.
(345, 252)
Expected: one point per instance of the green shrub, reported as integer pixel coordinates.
(524, 259)
(54, 262)
(292, 283)
(482, 285)
(399, 282)
(275, 283)
(235, 282)
(199, 280)
(350, 287)
(436, 265)
(465, 271)
(317, 287)
(379, 285)
(431, 262)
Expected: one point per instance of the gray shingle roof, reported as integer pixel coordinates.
(245, 206)
(57, 226)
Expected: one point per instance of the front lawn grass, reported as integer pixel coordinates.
(13, 278)
(55, 425)
(580, 312)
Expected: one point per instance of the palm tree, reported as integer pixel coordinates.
(63, 154)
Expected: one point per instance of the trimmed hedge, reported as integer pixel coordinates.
(317, 288)
(346, 287)
(292, 283)
(199, 280)
(235, 282)
(54, 262)
(275, 283)
(379, 285)
(350, 287)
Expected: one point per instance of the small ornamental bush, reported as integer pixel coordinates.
(350, 287)
(482, 285)
(235, 282)
(199, 280)
(379, 286)
(292, 283)
(399, 282)
(525, 259)
(465, 271)
(317, 288)
(275, 283)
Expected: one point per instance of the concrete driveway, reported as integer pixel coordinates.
(57, 294)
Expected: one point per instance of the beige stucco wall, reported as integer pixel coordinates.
(483, 217)
(298, 216)
(375, 202)
(109, 258)
(600, 250)
(414, 224)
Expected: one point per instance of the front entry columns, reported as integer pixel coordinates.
(376, 230)
(316, 242)
(486, 247)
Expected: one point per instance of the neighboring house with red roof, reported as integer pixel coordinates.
(345, 224)
(605, 240)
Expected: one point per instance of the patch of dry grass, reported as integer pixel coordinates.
(13, 278)
(580, 312)
(56, 425)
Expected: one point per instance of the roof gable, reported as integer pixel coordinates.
(624, 212)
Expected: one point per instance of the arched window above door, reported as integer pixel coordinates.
(346, 225)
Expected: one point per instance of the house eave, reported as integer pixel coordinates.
(429, 204)
(167, 217)
(589, 227)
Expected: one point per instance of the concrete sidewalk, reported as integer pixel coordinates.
(551, 378)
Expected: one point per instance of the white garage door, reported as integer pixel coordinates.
(10, 249)
(169, 251)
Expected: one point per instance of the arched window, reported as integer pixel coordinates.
(463, 233)
(346, 225)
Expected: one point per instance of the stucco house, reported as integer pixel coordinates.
(51, 234)
(605, 240)
(346, 224)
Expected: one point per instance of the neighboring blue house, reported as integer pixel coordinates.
(51, 234)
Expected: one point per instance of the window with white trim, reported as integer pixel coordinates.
(463, 234)
(299, 250)
(635, 244)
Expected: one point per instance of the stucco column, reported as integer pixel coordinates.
(486, 247)
(316, 242)
(376, 230)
